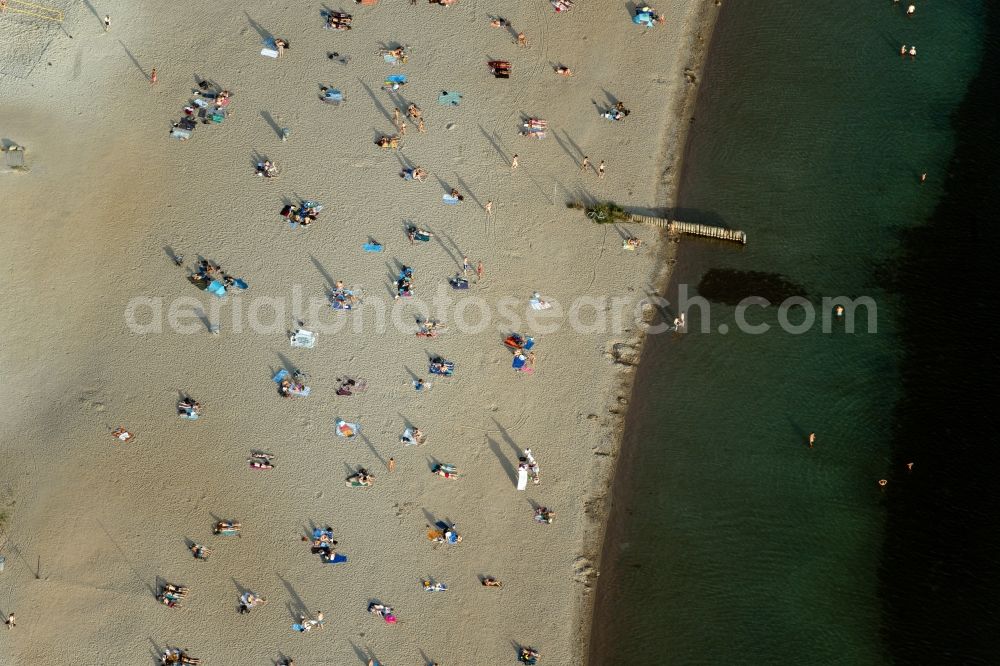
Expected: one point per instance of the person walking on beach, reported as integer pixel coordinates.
(402, 128)
(107, 22)
(513, 163)
(522, 40)
(466, 266)
(600, 170)
(391, 465)
(11, 621)
(585, 164)
(479, 271)
(421, 127)
(153, 77)
(395, 118)
(489, 208)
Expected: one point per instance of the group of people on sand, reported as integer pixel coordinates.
(170, 595)
(177, 656)
(342, 298)
(323, 544)
(304, 214)
(261, 460)
(404, 283)
(360, 479)
(338, 21)
(249, 601)
(292, 385)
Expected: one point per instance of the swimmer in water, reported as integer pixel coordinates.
(882, 482)
(909, 467)
(812, 439)
(839, 311)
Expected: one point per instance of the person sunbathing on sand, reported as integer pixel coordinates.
(490, 581)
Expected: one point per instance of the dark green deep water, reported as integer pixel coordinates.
(730, 540)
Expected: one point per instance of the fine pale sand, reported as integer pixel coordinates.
(93, 526)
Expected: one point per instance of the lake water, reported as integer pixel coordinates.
(731, 541)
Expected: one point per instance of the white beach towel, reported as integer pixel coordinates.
(522, 479)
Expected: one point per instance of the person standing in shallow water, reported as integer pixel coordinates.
(812, 439)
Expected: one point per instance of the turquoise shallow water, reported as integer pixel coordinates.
(732, 541)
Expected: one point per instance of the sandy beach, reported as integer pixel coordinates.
(94, 527)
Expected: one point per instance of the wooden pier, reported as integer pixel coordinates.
(704, 230)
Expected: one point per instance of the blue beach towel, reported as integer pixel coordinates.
(372, 247)
(449, 98)
(448, 199)
(217, 288)
(282, 374)
(396, 78)
(337, 559)
(240, 284)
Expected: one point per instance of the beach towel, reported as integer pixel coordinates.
(522, 479)
(449, 98)
(303, 339)
(348, 430)
(181, 134)
(333, 96)
(189, 415)
(336, 559)
(280, 375)
(458, 283)
(538, 304)
(448, 199)
(421, 236)
(389, 58)
(644, 18)
(398, 79)
(217, 288)
(372, 247)
(520, 361)
(300, 392)
(269, 52)
(239, 284)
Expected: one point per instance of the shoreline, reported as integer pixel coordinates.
(600, 532)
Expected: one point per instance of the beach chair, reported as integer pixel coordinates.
(303, 339)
